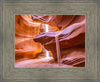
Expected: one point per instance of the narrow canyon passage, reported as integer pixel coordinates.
(49, 41)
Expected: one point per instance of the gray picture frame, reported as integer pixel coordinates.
(89, 73)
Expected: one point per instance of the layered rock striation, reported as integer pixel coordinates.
(71, 37)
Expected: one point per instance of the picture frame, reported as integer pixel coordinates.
(89, 73)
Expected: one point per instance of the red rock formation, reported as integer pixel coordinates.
(71, 39)
(61, 21)
(25, 31)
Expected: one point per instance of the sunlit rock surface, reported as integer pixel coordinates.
(25, 48)
(71, 40)
(25, 31)
(72, 36)
(30, 35)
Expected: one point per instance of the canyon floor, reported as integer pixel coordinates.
(42, 62)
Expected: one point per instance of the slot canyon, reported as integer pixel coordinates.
(49, 40)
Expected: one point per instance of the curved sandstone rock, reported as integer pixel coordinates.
(71, 40)
(25, 31)
(61, 21)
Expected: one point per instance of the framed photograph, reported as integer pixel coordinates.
(49, 41)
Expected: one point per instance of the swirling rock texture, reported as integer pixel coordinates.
(25, 31)
(30, 37)
(71, 37)
(25, 48)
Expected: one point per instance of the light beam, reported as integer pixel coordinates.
(47, 52)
